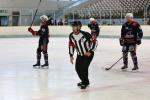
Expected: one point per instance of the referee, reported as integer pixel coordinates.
(85, 46)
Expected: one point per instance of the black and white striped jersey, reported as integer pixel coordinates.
(82, 42)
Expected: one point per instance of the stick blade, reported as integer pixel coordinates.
(107, 69)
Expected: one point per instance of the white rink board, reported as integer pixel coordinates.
(65, 30)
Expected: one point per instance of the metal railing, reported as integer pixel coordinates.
(106, 17)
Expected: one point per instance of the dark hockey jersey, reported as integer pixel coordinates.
(43, 31)
(94, 27)
(130, 32)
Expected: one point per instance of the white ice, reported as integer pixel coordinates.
(19, 81)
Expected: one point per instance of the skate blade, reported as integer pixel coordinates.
(135, 71)
(45, 67)
(124, 70)
(36, 67)
(84, 88)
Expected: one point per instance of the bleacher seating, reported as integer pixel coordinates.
(105, 8)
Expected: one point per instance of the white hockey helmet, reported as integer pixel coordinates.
(92, 19)
(44, 18)
(129, 15)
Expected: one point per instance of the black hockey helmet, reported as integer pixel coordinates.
(76, 23)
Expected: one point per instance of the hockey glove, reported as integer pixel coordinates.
(121, 41)
(138, 41)
(32, 31)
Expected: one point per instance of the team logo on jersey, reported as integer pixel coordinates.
(43, 30)
(126, 28)
(129, 35)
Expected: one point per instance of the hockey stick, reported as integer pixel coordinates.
(35, 13)
(115, 63)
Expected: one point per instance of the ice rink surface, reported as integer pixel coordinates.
(19, 81)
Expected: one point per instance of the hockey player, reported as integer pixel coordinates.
(85, 46)
(131, 35)
(43, 33)
(94, 27)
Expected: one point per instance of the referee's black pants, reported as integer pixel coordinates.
(82, 66)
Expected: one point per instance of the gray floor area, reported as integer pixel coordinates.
(19, 81)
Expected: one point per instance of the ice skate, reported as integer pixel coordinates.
(46, 65)
(37, 65)
(135, 69)
(124, 68)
